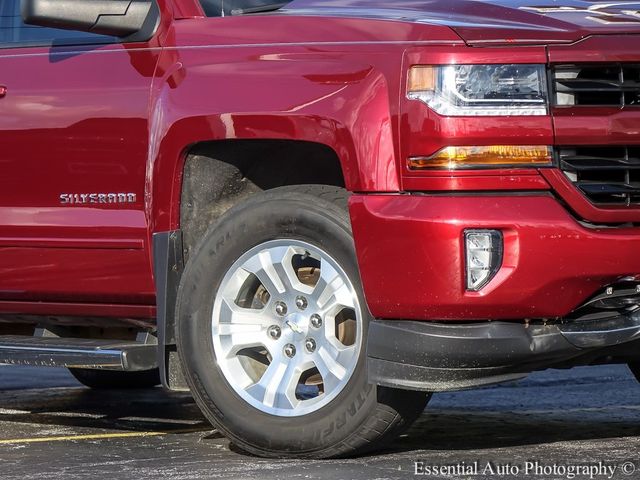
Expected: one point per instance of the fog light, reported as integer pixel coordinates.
(483, 256)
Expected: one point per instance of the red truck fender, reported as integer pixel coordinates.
(342, 105)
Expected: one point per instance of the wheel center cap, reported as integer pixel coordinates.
(297, 323)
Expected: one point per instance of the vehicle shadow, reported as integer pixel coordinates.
(485, 420)
(119, 410)
(458, 431)
(443, 430)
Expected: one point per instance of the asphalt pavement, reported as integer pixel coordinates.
(580, 423)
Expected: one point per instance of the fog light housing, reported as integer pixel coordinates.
(483, 254)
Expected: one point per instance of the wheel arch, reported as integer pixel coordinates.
(343, 105)
(167, 160)
(217, 175)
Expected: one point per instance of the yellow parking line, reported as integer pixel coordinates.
(97, 436)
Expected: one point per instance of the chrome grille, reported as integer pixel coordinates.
(606, 175)
(600, 85)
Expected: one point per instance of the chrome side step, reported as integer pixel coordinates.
(77, 353)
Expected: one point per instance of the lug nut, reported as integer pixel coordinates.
(310, 345)
(281, 308)
(301, 302)
(289, 350)
(274, 332)
(316, 320)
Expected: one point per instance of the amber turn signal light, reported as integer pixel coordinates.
(421, 79)
(494, 156)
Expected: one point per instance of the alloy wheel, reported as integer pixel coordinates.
(287, 327)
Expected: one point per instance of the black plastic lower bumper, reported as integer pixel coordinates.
(440, 357)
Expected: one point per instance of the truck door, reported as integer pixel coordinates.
(73, 152)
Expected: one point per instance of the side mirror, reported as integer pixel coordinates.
(117, 18)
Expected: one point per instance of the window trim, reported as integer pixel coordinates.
(55, 43)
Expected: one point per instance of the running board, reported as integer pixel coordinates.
(77, 353)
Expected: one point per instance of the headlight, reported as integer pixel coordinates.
(474, 90)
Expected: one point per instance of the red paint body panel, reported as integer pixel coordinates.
(118, 310)
(121, 118)
(80, 128)
(75, 120)
(551, 262)
(474, 181)
(75, 274)
(334, 81)
(187, 9)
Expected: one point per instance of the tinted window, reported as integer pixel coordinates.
(13, 32)
(218, 8)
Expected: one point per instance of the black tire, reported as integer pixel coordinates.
(109, 379)
(635, 369)
(362, 417)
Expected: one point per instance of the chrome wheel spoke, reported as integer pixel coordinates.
(240, 328)
(238, 337)
(283, 267)
(327, 283)
(332, 363)
(277, 385)
(286, 394)
(231, 313)
(262, 266)
(331, 289)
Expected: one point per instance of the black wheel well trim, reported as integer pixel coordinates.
(216, 175)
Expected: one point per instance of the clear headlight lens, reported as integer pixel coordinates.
(480, 90)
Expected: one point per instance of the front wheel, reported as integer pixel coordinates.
(272, 325)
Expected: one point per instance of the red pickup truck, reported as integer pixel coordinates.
(313, 213)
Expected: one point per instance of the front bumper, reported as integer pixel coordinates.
(440, 357)
(410, 252)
